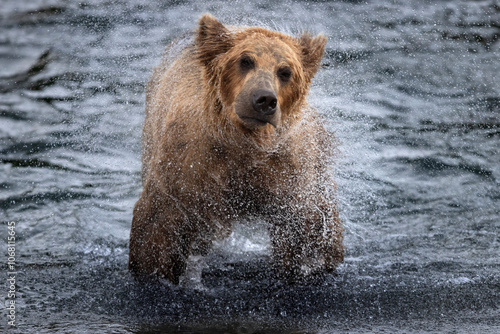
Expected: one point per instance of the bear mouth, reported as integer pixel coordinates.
(256, 122)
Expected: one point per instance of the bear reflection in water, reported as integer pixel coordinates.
(229, 134)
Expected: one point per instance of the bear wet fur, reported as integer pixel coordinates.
(228, 133)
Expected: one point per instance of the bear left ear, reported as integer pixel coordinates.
(312, 49)
(212, 39)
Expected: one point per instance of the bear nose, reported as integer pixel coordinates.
(264, 102)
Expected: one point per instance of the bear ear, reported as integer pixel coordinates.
(312, 49)
(212, 39)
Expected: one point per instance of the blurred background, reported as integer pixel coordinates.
(411, 90)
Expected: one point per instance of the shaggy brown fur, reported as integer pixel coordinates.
(228, 133)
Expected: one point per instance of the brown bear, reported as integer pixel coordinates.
(228, 134)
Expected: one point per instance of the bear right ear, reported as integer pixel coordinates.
(212, 39)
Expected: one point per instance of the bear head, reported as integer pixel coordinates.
(257, 77)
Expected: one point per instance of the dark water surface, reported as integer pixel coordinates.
(412, 90)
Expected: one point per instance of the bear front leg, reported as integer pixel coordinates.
(307, 240)
(160, 239)
(323, 249)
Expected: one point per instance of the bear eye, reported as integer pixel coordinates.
(246, 63)
(285, 74)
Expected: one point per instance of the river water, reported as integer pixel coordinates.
(410, 89)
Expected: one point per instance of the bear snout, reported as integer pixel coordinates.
(264, 102)
(258, 107)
